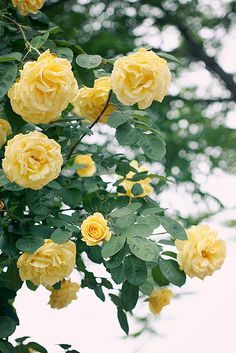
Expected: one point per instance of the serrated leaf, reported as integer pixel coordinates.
(135, 270)
(114, 245)
(117, 118)
(7, 326)
(129, 295)
(38, 42)
(158, 277)
(170, 269)
(125, 221)
(60, 236)
(169, 57)
(39, 201)
(29, 244)
(65, 53)
(126, 135)
(143, 248)
(122, 318)
(137, 189)
(173, 228)
(11, 57)
(153, 146)
(8, 74)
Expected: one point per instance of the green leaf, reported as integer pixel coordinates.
(6, 347)
(29, 244)
(170, 269)
(146, 288)
(40, 201)
(173, 228)
(126, 135)
(135, 270)
(169, 57)
(129, 295)
(3, 178)
(125, 221)
(151, 211)
(144, 249)
(10, 57)
(31, 286)
(158, 277)
(138, 230)
(64, 346)
(117, 259)
(153, 146)
(88, 61)
(121, 212)
(60, 236)
(111, 247)
(123, 320)
(65, 53)
(7, 326)
(8, 74)
(137, 189)
(117, 118)
(71, 197)
(118, 274)
(170, 254)
(38, 42)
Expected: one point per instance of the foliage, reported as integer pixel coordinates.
(136, 258)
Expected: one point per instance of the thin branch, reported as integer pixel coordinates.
(90, 127)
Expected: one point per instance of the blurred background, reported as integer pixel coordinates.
(198, 118)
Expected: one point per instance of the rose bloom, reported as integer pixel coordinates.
(202, 253)
(44, 90)
(50, 264)
(60, 298)
(141, 78)
(90, 102)
(5, 130)
(158, 299)
(89, 167)
(94, 229)
(32, 160)
(28, 6)
(145, 183)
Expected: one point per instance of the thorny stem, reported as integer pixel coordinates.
(90, 127)
(28, 46)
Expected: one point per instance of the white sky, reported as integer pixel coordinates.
(201, 322)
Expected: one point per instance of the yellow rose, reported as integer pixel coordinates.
(145, 183)
(89, 167)
(32, 160)
(202, 253)
(44, 90)
(141, 78)
(28, 6)
(90, 102)
(5, 130)
(60, 298)
(94, 229)
(50, 264)
(158, 299)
